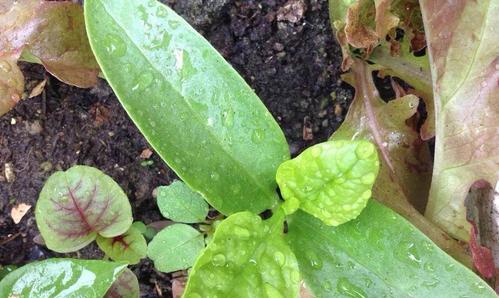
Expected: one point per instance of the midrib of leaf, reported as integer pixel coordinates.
(196, 116)
(451, 98)
(325, 236)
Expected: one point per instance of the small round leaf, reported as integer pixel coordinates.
(77, 205)
(175, 248)
(179, 203)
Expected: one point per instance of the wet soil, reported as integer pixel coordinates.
(284, 49)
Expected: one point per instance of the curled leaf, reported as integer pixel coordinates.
(246, 258)
(46, 32)
(462, 42)
(331, 181)
(77, 205)
(129, 247)
(126, 286)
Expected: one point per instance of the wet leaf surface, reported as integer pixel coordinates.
(379, 254)
(179, 203)
(194, 109)
(77, 205)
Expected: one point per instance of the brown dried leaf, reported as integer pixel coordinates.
(17, 213)
(47, 32)
(38, 89)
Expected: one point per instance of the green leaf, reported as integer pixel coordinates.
(179, 203)
(464, 59)
(148, 232)
(126, 286)
(77, 205)
(130, 247)
(175, 248)
(246, 258)
(379, 254)
(4, 270)
(190, 104)
(332, 180)
(61, 278)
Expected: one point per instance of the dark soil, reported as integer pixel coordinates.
(288, 56)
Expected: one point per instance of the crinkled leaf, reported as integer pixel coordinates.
(129, 247)
(61, 278)
(179, 203)
(77, 205)
(462, 42)
(379, 254)
(126, 286)
(405, 169)
(50, 33)
(191, 105)
(331, 181)
(176, 247)
(246, 258)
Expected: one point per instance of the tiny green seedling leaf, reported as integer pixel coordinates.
(77, 205)
(175, 248)
(61, 278)
(246, 258)
(148, 232)
(130, 247)
(179, 203)
(331, 181)
(126, 286)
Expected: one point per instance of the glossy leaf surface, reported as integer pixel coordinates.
(176, 247)
(61, 278)
(331, 181)
(379, 254)
(47, 32)
(462, 42)
(76, 205)
(179, 203)
(191, 105)
(126, 286)
(246, 258)
(129, 247)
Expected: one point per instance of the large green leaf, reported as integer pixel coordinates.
(379, 254)
(332, 180)
(61, 278)
(247, 257)
(191, 105)
(77, 205)
(464, 59)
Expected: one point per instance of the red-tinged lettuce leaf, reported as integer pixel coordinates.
(379, 254)
(61, 278)
(405, 170)
(126, 286)
(462, 42)
(77, 205)
(47, 32)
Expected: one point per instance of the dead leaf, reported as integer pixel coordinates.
(38, 89)
(17, 213)
(146, 153)
(178, 287)
(308, 134)
(46, 32)
(292, 11)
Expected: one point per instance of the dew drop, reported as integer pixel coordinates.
(173, 24)
(347, 288)
(241, 232)
(144, 81)
(314, 260)
(368, 179)
(279, 258)
(258, 136)
(161, 12)
(228, 118)
(364, 150)
(215, 176)
(114, 45)
(327, 286)
(218, 260)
